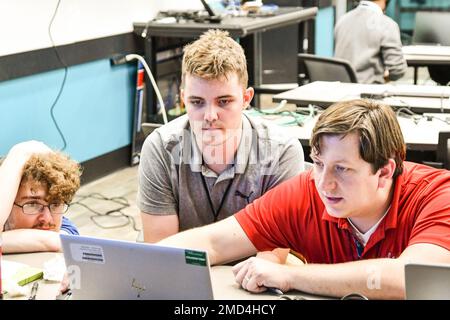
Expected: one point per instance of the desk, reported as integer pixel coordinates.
(426, 55)
(248, 29)
(224, 285)
(324, 93)
(225, 288)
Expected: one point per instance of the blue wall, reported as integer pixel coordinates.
(94, 111)
(324, 37)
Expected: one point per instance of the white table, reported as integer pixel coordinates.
(222, 278)
(421, 133)
(426, 55)
(324, 93)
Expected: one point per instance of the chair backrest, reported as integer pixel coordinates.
(443, 150)
(326, 69)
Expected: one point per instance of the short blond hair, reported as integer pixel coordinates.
(380, 135)
(213, 56)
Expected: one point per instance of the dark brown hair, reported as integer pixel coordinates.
(380, 136)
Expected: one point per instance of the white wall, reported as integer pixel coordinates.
(180, 5)
(24, 23)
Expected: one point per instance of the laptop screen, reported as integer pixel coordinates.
(427, 282)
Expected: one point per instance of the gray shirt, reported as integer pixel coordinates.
(370, 41)
(172, 178)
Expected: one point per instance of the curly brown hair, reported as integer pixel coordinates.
(55, 171)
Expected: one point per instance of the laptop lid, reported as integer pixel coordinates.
(427, 282)
(113, 269)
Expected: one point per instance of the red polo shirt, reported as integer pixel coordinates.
(292, 215)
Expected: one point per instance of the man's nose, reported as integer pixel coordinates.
(46, 215)
(327, 181)
(211, 113)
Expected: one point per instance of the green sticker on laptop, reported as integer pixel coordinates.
(195, 257)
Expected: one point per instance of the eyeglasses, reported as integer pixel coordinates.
(36, 208)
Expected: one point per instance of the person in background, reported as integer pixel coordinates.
(357, 218)
(36, 188)
(205, 166)
(370, 41)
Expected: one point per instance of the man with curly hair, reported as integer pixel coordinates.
(36, 188)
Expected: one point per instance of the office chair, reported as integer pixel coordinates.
(442, 152)
(440, 74)
(326, 69)
(431, 28)
(316, 69)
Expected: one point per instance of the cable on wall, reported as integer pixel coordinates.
(52, 108)
(130, 57)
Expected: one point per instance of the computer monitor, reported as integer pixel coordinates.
(432, 28)
(215, 8)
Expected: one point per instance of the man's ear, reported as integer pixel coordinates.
(386, 173)
(182, 96)
(248, 96)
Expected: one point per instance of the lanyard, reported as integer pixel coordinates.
(205, 186)
(358, 245)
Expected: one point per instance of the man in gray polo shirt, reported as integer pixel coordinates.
(370, 41)
(212, 162)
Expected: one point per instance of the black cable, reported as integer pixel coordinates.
(64, 79)
(119, 200)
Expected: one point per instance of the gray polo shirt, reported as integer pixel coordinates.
(172, 178)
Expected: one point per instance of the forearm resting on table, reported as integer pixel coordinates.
(193, 239)
(30, 240)
(381, 278)
(225, 241)
(373, 278)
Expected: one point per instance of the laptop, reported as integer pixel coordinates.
(427, 282)
(113, 269)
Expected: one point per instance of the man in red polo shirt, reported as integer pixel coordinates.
(357, 217)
